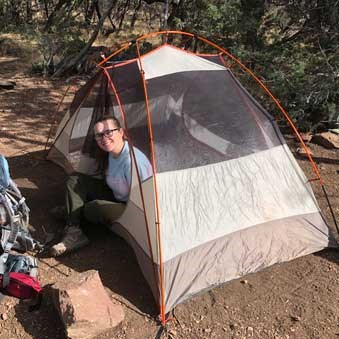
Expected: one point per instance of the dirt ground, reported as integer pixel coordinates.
(297, 299)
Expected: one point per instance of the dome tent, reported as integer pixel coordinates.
(227, 197)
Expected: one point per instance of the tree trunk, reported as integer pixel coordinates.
(174, 13)
(57, 8)
(254, 9)
(29, 11)
(90, 12)
(15, 12)
(46, 9)
(72, 61)
(135, 14)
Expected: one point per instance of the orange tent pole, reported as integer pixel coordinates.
(157, 221)
(125, 46)
(286, 115)
(135, 161)
(150, 35)
(128, 44)
(315, 168)
(223, 51)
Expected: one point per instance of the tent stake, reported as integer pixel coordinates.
(161, 331)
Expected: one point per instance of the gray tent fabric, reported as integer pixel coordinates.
(242, 252)
(227, 197)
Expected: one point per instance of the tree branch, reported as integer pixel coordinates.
(72, 61)
(333, 72)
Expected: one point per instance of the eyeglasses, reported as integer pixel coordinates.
(107, 133)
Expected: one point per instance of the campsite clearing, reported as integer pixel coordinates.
(297, 299)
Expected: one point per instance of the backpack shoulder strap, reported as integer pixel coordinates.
(8, 236)
(4, 173)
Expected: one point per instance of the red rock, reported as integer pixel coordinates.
(326, 139)
(306, 137)
(85, 307)
(5, 84)
(301, 150)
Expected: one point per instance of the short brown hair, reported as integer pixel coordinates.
(105, 117)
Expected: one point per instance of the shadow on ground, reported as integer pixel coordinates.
(330, 254)
(318, 160)
(42, 183)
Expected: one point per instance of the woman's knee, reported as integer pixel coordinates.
(103, 212)
(72, 181)
(76, 182)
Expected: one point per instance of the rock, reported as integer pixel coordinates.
(295, 318)
(306, 137)
(301, 150)
(7, 84)
(326, 139)
(172, 334)
(85, 307)
(334, 130)
(4, 316)
(3, 308)
(244, 281)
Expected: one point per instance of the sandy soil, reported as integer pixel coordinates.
(298, 299)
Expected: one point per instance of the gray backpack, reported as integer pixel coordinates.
(14, 219)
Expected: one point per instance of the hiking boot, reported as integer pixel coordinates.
(73, 239)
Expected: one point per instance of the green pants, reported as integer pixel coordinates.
(91, 198)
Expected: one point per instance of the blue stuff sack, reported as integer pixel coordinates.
(22, 264)
(4, 173)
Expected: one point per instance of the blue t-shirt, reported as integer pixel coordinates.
(118, 173)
